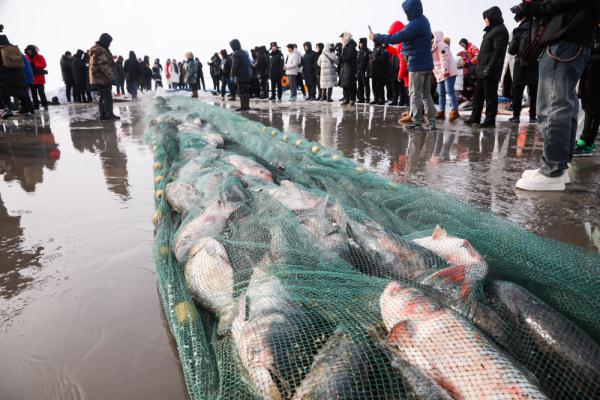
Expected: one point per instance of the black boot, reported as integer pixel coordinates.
(473, 120)
(329, 94)
(488, 123)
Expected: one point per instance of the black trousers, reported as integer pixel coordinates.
(300, 81)
(105, 104)
(202, 82)
(403, 98)
(517, 99)
(364, 87)
(486, 91)
(69, 90)
(350, 91)
(38, 90)
(379, 89)
(590, 128)
(264, 87)
(216, 83)
(276, 85)
(120, 88)
(244, 91)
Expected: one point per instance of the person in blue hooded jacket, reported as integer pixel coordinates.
(416, 45)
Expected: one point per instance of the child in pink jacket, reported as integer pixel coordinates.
(445, 71)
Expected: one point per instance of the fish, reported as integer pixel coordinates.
(449, 349)
(381, 254)
(276, 337)
(571, 359)
(294, 198)
(454, 250)
(249, 168)
(182, 197)
(349, 368)
(210, 223)
(209, 276)
(417, 385)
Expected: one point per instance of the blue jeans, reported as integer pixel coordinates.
(558, 105)
(132, 88)
(293, 80)
(447, 87)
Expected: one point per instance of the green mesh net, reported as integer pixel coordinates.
(286, 271)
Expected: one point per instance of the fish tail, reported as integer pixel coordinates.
(227, 318)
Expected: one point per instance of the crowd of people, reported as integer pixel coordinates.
(555, 46)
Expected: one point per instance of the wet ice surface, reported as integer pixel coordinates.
(79, 311)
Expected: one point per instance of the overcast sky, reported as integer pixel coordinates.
(169, 28)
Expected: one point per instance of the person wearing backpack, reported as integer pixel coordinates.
(103, 74)
(13, 81)
(38, 64)
(524, 74)
(565, 47)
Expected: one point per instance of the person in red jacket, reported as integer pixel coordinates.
(38, 64)
(396, 50)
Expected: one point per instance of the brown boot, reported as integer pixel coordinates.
(440, 115)
(406, 118)
(454, 115)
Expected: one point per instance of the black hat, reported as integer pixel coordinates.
(363, 40)
(105, 40)
(274, 44)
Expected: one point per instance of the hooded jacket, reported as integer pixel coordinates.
(132, 68)
(309, 65)
(65, 70)
(262, 63)
(78, 68)
(522, 74)
(490, 60)
(240, 63)
(443, 61)
(276, 63)
(327, 62)
(120, 71)
(396, 51)
(416, 38)
(348, 64)
(38, 65)
(102, 64)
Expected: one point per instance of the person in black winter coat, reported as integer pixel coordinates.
(276, 71)
(67, 73)
(132, 74)
(226, 74)
(320, 47)
(348, 68)
(78, 71)
(120, 76)
(309, 69)
(379, 68)
(524, 74)
(215, 72)
(589, 89)
(201, 75)
(262, 70)
(490, 63)
(241, 71)
(364, 86)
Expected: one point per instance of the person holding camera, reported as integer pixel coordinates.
(490, 62)
(38, 64)
(563, 36)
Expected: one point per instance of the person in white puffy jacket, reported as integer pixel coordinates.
(445, 71)
(328, 66)
(292, 67)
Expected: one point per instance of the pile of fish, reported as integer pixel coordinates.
(435, 324)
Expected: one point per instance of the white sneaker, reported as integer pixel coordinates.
(538, 182)
(566, 177)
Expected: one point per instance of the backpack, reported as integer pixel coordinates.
(11, 57)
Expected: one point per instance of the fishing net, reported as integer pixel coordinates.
(286, 271)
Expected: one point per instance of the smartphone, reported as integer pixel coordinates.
(370, 30)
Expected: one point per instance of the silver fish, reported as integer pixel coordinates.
(209, 276)
(209, 223)
(249, 168)
(182, 197)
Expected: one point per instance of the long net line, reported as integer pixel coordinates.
(286, 271)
